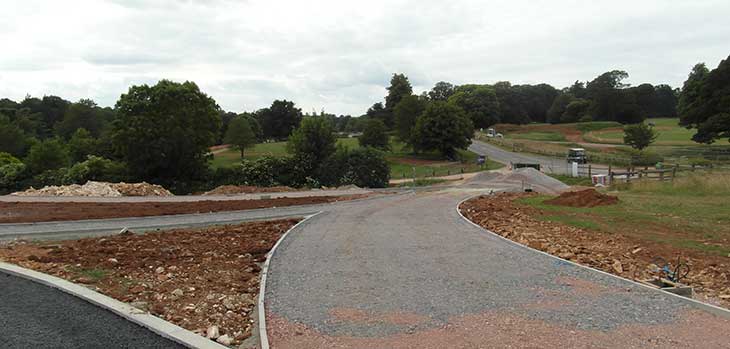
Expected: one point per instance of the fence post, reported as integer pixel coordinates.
(589, 171)
(674, 173)
(661, 175)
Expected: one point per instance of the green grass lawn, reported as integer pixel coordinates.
(668, 129)
(690, 213)
(402, 161)
(540, 136)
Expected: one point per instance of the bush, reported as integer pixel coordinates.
(6, 159)
(375, 135)
(639, 158)
(95, 169)
(11, 175)
(363, 167)
(368, 168)
(50, 154)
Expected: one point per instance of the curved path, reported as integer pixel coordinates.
(51, 319)
(409, 272)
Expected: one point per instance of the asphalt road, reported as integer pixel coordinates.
(409, 272)
(99, 227)
(36, 316)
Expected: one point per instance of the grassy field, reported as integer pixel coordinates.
(670, 133)
(402, 161)
(690, 213)
(673, 143)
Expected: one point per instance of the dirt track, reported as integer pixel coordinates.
(24, 212)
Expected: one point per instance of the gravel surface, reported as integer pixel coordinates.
(46, 318)
(405, 269)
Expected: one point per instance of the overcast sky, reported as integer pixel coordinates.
(339, 55)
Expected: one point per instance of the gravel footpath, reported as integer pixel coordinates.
(36, 316)
(408, 271)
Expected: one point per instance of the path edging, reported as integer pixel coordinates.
(264, 338)
(157, 325)
(722, 312)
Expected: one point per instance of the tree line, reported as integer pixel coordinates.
(162, 134)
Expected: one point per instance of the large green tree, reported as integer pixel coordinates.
(50, 154)
(280, 119)
(441, 91)
(240, 134)
(374, 135)
(606, 95)
(314, 141)
(399, 88)
(560, 104)
(82, 114)
(707, 105)
(479, 102)
(163, 131)
(639, 136)
(705, 102)
(12, 138)
(443, 127)
(81, 145)
(406, 113)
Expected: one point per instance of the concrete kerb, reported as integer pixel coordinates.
(262, 290)
(722, 312)
(126, 311)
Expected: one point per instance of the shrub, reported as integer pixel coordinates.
(6, 159)
(375, 135)
(639, 158)
(363, 167)
(50, 154)
(95, 168)
(11, 174)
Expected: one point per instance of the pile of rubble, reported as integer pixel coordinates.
(98, 189)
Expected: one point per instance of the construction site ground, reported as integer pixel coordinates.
(195, 278)
(630, 254)
(25, 211)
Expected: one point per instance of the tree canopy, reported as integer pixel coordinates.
(479, 102)
(443, 127)
(280, 119)
(704, 102)
(375, 135)
(313, 141)
(240, 134)
(163, 131)
(406, 113)
(639, 136)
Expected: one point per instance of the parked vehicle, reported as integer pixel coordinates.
(577, 155)
(492, 133)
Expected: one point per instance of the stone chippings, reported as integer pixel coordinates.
(414, 254)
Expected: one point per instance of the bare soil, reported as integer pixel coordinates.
(618, 254)
(246, 189)
(583, 198)
(24, 212)
(193, 278)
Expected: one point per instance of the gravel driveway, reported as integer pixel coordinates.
(409, 272)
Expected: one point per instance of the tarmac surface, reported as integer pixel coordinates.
(53, 319)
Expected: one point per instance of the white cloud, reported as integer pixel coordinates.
(339, 55)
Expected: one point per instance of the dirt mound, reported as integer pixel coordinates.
(99, 189)
(246, 189)
(583, 198)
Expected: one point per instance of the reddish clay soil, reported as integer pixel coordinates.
(618, 254)
(419, 162)
(247, 189)
(571, 133)
(23, 212)
(509, 330)
(193, 278)
(583, 198)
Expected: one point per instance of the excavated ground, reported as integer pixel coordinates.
(193, 278)
(621, 255)
(25, 212)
